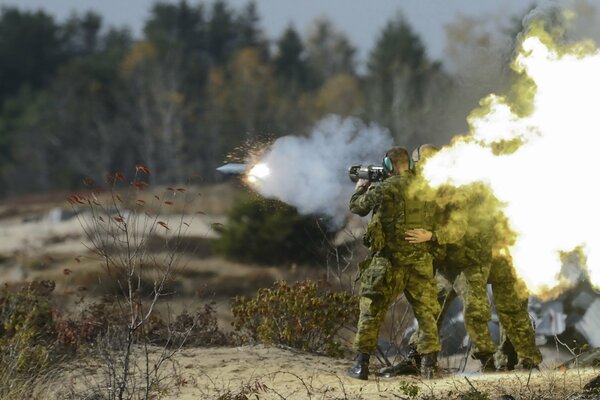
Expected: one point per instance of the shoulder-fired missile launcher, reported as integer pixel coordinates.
(372, 173)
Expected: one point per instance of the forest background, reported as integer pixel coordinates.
(81, 99)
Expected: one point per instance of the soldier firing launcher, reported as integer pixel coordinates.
(372, 173)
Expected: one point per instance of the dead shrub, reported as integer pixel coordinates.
(197, 329)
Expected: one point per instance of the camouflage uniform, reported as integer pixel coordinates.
(479, 261)
(396, 266)
(477, 311)
(511, 299)
(473, 210)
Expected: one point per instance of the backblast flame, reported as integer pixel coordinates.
(538, 151)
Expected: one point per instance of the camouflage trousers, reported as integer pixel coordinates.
(382, 281)
(511, 299)
(473, 292)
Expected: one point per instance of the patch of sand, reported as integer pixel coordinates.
(264, 372)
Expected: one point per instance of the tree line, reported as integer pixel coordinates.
(81, 99)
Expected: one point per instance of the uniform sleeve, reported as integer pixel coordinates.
(363, 201)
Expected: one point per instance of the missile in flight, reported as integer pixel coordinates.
(233, 168)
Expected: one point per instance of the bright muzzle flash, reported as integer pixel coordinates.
(258, 173)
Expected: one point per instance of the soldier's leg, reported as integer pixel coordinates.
(506, 357)
(376, 293)
(412, 363)
(511, 299)
(477, 313)
(426, 308)
(421, 293)
(445, 295)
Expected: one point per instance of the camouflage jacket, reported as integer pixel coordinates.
(394, 211)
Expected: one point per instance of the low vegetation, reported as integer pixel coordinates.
(271, 232)
(306, 315)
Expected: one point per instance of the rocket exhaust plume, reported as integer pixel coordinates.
(311, 172)
(539, 150)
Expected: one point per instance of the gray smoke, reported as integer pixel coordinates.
(480, 49)
(568, 20)
(311, 173)
(477, 61)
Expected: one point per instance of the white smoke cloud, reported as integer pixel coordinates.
(311, 173)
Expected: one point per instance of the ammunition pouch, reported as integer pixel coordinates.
(415, 214)
(374, 238)
(375, 278)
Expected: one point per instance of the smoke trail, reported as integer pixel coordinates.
(310, 173)
(538, 151)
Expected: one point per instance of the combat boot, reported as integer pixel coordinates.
(508, 350)
(413, 354)
(361, 369)
(411, 365)
(429, 365)
(528, 364)
(487, 361)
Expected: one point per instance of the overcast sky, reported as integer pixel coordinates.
(361, 20)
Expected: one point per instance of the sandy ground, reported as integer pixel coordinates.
(254, 372)
(46, 235)
(46, 224)
(261, 372)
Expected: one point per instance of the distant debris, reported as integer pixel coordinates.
(573, 317)
(58, 214)
(588, 358)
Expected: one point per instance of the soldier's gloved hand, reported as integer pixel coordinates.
(418, 235)
(362, 183)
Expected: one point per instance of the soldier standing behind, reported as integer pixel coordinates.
(511, 299)
(476, 210)
(396, 266)
(472, 260)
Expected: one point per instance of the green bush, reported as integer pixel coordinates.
(27, 331)
(307, 316)
(29, 344)
(270, 232)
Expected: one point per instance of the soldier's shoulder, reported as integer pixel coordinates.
(392, 183)
(394, 180)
